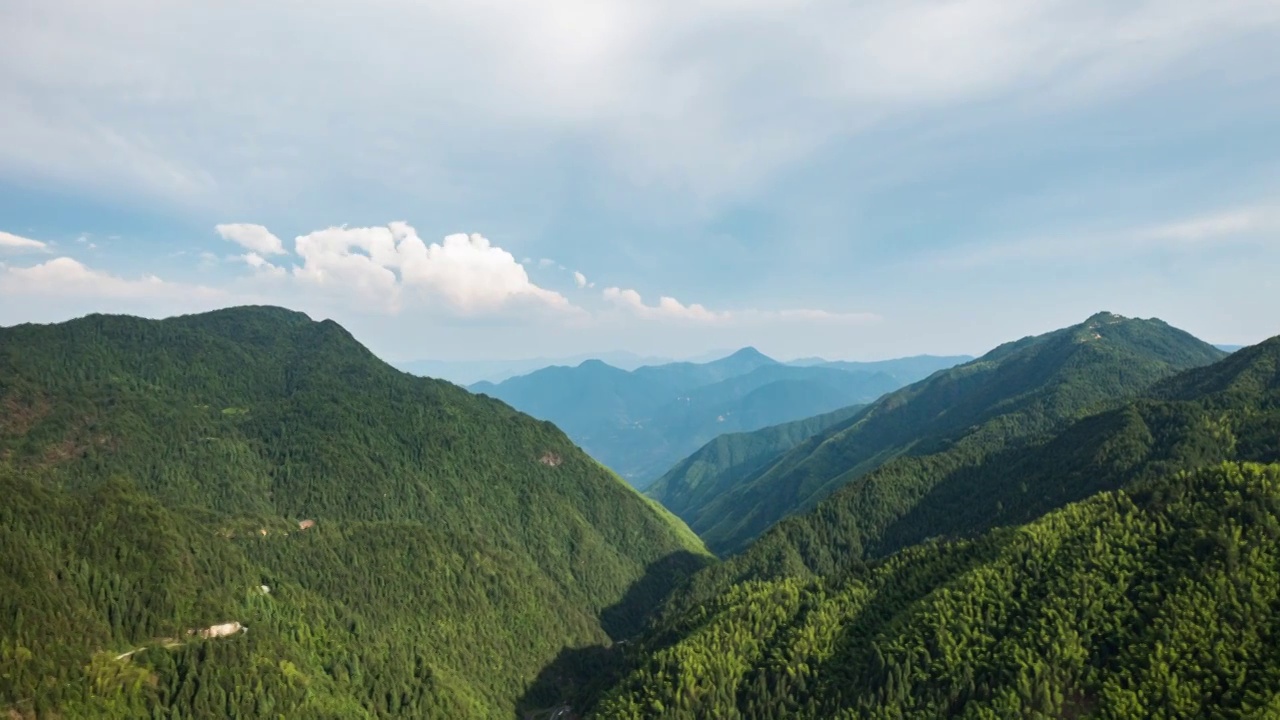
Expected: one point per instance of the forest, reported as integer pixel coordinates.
(246, 514)
(1123, 567)
(1017, 393)
(157, 475)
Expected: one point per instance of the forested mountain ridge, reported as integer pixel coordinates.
(1168, 429)
(905, 370)
(711, 470)
(1162, 601)
(155, 475)
(1020, 390)
(1149, 588)
(642, 422)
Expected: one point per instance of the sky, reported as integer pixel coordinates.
(489, 179)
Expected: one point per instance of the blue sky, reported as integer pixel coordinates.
(807, 176)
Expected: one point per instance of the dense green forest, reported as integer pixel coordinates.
(1012, 396)
(1161, 601)
(158, 475)
(1074, 529)
(716, 466)
(641, 423)
(1149, 589)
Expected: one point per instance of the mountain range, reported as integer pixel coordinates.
(468, 372)
(641, 422)
(1121, 563)
(245, 513)
(955, 417)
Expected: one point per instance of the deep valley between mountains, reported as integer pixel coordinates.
(246, 514)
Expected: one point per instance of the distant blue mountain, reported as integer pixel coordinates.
(641, 422)
(467, 372)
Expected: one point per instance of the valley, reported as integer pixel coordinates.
(633, 360)
(380, 545)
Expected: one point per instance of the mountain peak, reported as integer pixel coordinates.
(750, 353)
(1105, 317)
(595, 364)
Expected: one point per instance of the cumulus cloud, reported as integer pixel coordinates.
(262, 266)
(667, 307)
(16, 243)
(670, 308)
(65, 277)
(467, 272)
(580, 280)
(252, 237)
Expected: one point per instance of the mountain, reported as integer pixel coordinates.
(1017, 392)
(1126, 566)
(642, 422)
(683, 376)
(395, 546)
(1156, 602)
(711, 470)
(468, 372)
(905, 370)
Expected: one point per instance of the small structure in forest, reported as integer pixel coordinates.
(218, 631)
(550, 459)
(306, 524)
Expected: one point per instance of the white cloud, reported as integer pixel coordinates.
(667, 307)
(1221, 227)
(712, 96)
(252, 237)
(262, 266)
(64, 277)
(1251, 226)
(579, 279)
(672, 309)
(814, 316)
(546, 262)
(16, 243)
(467, 272)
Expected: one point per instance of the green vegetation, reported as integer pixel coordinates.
(712, 470)
(1160, 602)
(155, 475)
(1066, 527)
(641, 423)
(907, 442)
(1152, 593)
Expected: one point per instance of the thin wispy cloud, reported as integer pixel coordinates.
(65, 277)
(711, 96)
(17, 244)
(806, 171)
(1242, 227)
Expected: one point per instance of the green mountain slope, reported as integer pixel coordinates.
(1018, 392)
(835, 614)
(1159, 602)
(711, 470)
(905, 370)
(640, 423)
(155, 474)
